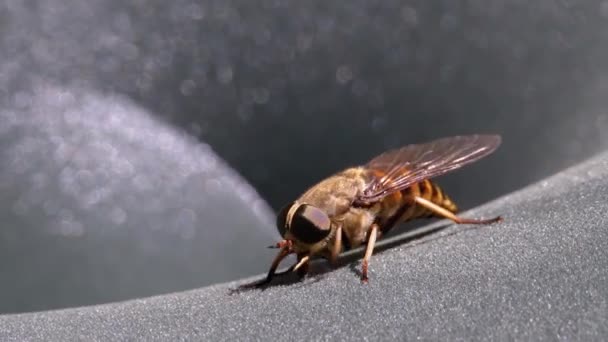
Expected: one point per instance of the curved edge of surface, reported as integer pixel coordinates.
(540, 273)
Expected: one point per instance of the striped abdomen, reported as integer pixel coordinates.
(399, 207)
(432, 192)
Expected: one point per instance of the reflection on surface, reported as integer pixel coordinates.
(100, 201)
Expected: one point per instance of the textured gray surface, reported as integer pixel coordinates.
(539, 275)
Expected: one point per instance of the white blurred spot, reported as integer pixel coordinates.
(95, 143)
(187, 217)
(66, 214)
(594, 173)
(261, 95)
(123, 167)
(206, 162)
(197, 12)
(187, 87)
(213, 186)
(409, 16)
(95, 197)
(344, 74)
(118, 216)
(261, 210)
(188, 233)
(224, 74)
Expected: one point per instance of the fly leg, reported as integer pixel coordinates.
(285, 251)
(301, 262)
(336, 247)
(282, 273)
(275, 264)
(301, 267)
(371, 241)
(449, 215)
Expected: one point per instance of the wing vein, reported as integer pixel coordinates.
(402, 167)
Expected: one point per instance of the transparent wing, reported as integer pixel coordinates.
(398, 169)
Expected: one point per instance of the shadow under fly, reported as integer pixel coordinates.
(318, 268)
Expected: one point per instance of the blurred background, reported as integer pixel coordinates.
(145, 145)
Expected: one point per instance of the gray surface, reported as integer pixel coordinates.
(540, 275)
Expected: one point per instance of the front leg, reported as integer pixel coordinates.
(285, 251)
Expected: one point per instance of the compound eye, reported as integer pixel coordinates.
(310, 224)
(282, 219)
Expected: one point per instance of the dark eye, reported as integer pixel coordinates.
(310, 224)
(282, 218)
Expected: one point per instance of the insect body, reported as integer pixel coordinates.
(358, 205)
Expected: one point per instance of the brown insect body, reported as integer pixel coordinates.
(359, 204)
(336, 194)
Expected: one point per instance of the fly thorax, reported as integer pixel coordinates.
(356, 223)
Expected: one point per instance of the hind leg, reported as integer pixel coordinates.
(439, 211)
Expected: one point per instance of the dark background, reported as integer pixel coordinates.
(286, 92)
